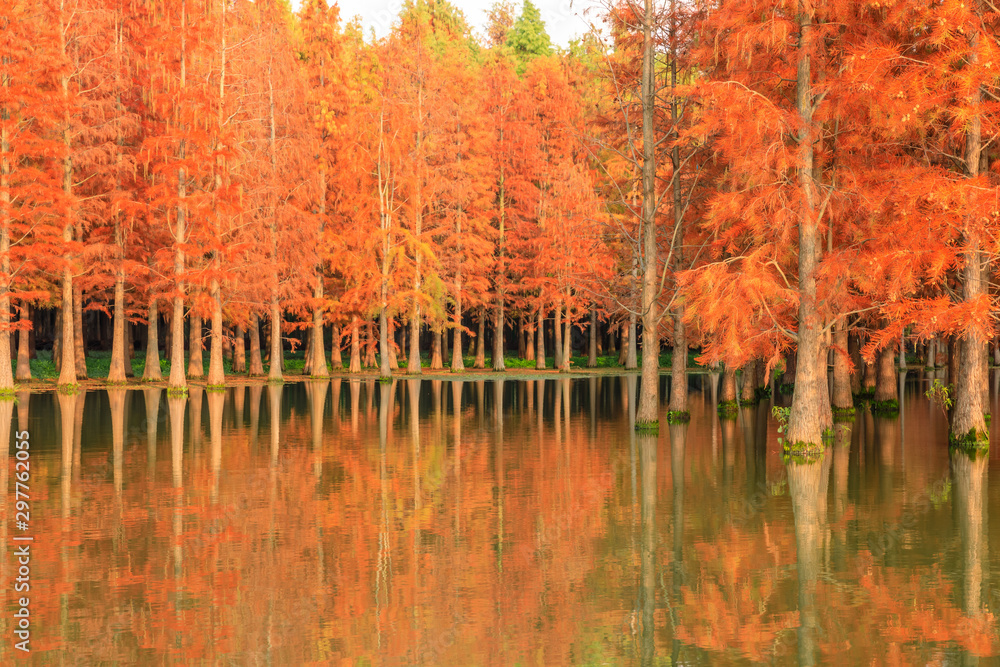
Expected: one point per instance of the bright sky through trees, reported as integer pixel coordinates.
(564, 19)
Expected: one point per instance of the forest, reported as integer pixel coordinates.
(775, 184)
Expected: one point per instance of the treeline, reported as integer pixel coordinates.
(230, 166)
(808, 181)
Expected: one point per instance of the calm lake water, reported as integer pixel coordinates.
(491, 523)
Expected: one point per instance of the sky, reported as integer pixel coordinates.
(564, 19)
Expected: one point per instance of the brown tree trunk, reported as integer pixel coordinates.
(196, 361)
(567, 352)
(842, 400)
(854, 348)
(151, 370)
(239, 350)
(216, 370)
(805, 424)
(529, 340)
(748, 387)
(116, 372)
(728, 407)
(678, 404)
(413, 358)
(557, 352)
(79, 344)
(355, 366)
(885, 381)
(336, 356)
(592, 342)
(436, 360)
(256, 364)
(540, 343)
(498, 362)
(23, 347)
(481, 340)
(275, 357)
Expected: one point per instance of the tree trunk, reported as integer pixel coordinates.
(727, 397)
(116, 373)
(276, 355)
(256, 364)
(23, 346)
(592, 343)
(885, 381)
(854, 349)
(678, 370)
(623, 345)
(499, 364)
(216, 370)
(481, 340)
(239, 350)
(558, 338)
(336, 356)
(748, 387)
(436, 359)
(457, 362)
(413, 358)
(79, 343)
(529, 340)
(842, 399)
(151, 370)
(631, 350)
(384, 369)
(196, 361)
(805, 424)
(355, 366)
(567, 339)
(520, 333)
(177, 379)
(540, 348)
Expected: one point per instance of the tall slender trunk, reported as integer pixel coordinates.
(116, 373)
(567, 340)
(885, 382)
(748, 387)
(630, 351)
(196, 360)
(256, 364)
(592, 341)
(80, 343)
(842, 399)
(436, 357)
(67, 369)
(336, 355)
(805, 429)
(355, 366)
(216, 370)
(540, 347)
(481, 340)
(529, 340)
(151, 370)
(275, 358)
(23, 345)
(239, 350)
(557, 352)
(968, 423)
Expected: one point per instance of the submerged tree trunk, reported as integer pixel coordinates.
(727, 397)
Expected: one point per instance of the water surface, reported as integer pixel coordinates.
(491, 523)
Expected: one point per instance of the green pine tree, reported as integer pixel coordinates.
(527, 37)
